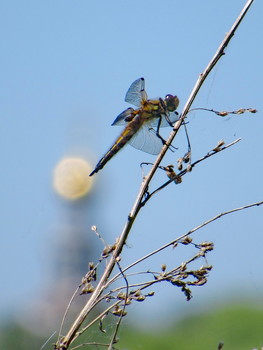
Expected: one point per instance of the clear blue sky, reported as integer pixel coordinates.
(65, 69)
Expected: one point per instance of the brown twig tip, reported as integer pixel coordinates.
(239, 111)
(225, 113)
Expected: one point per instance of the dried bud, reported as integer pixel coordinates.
(207, 246)
(222, 114)
(169, 169)
(119, 312)
(172, 174)
(203, 270)
(180, 164)
(240, 111)
(187, 157)
(187, 293)
(137, 293)
(178, 179)
(87, 289)
(140, 298)
(183, 266)
(189, 168)
(91, 265)
(177, 282)
(91, 275)
(163, 267)
(121, 296)
(200, 281)
(218, 146)
(186, 240)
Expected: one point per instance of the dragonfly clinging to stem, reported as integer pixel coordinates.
(142, 124)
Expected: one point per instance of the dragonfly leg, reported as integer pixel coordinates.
(171, 147)
(157, 132)
(168, 119)
(187, 156)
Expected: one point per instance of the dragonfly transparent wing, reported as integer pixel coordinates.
(146, 140)
(136, 92)
(166, 119)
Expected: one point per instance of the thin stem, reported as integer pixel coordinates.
(171, 243)
(223, 214)
(66, 312)
(113, 339)
(183, 172)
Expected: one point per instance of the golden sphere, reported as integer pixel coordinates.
(71, 178)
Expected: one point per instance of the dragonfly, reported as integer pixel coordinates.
(142, 124)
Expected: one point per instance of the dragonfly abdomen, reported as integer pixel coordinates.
(130, 130)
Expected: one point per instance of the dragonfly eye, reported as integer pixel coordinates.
(172, 102)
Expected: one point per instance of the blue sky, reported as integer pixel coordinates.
(66, 66)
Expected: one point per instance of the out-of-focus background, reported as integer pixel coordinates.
(65, 69)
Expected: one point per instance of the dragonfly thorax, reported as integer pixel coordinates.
(154, 107)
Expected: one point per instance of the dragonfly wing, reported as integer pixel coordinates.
(171, 117)
(136, 92)
(121, 118)
(146, 140)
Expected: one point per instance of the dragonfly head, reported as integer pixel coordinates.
(172, 102)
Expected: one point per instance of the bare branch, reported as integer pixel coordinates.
(183, 172)
(173, 242)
